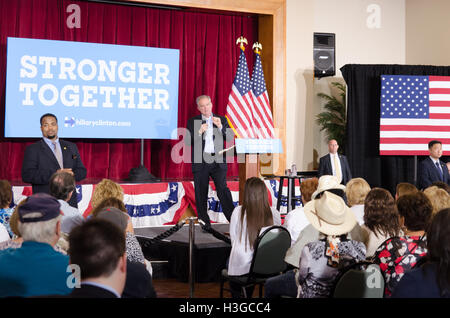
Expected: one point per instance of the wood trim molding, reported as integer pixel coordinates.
(273, 36)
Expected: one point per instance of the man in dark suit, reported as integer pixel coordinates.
(432, 169)
(51, 154)
(335, 164)
(208, 133)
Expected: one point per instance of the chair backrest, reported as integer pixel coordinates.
(360, 280)
(269, 252)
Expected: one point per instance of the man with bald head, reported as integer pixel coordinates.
(334, 164)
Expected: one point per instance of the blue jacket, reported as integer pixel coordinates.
(34, 269)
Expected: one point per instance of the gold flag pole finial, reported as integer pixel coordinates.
(257, 47)
(241, 40)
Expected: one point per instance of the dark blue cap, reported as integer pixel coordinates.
(42, 203)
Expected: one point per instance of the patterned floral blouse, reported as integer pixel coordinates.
(5, 215)
(315, 277)
(397, 255)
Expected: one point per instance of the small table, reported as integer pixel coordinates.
(290, 192)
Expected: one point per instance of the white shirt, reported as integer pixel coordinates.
(4, 235)
(295, 221)
(338, 163)
(209, 141)
(241, 253)
(358, 209)
(71, 217)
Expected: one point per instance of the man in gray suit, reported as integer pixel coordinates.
(335, 164)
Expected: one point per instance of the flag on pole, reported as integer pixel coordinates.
(414, 110)
(262, 114)
(240, 104)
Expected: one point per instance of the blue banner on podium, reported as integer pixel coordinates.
(258, 145)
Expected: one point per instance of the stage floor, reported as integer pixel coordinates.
(209, 258)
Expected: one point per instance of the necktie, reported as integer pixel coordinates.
(337, 168)
(440, 171)
(58, 154)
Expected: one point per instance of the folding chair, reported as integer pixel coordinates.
(360, 280)
(268, 260)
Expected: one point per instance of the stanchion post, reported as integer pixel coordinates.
(191, 253)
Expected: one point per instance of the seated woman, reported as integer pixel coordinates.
(5, 201)
(247, 222)
(399, 254)
(439, 198)
(322, 260)
(356, 191)
(381, 219)
(431, 279)
(106, 189)
(295, 221)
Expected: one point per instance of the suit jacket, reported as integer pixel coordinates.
(139, 282)
(90, 291)
(428, 173)
(198, 142)
(325, 168)
(39, 163)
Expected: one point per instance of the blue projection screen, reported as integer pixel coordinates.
(95, 90)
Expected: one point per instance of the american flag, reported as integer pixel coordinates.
(240, 105)
(262, 114)
(414, 111)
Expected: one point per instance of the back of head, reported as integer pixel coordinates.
(356, 191)
(307, 188)
(442, 185)
(109, 202)
(96, 246)
(38, 218)
(106, 189)
(405, 188)
(61, 185)
(380, 213)
(5, 194)
(437, 234)
(439, 198)
(255, 208)
(416, 209)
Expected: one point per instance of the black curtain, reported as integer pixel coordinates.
(363, 124)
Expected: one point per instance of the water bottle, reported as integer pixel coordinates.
(294, 170)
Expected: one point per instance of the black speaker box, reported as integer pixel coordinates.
(324, 54)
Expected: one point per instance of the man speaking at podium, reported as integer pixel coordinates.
(207, 136)
(51, 154)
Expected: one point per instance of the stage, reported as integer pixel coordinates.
(210, 254)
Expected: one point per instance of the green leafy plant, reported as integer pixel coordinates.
(333, 119)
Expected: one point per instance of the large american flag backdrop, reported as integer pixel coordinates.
(414, 110)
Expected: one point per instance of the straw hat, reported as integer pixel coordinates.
(327, 182)
(330, 215)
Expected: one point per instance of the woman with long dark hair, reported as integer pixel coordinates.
(432, 279)
(247, 222)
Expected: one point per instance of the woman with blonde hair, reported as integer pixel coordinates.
(356, 191)
(440, 199)
(247, 222)
(106, 189)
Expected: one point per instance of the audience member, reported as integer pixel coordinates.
(381, 219)
(247, 222)
(430, 280)
(35, 268)
(106, 189)
(321, 261)
(62, 185)
(442, 185)
(139, 281)
(399, 254)
(295, 221)
(439, 198)
(4, 235)
(310, 234)
(5, 202)
(356, 191)
(134, 250)
(404, 188)
(98, 248)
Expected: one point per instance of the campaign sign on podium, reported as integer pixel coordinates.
(251, 148)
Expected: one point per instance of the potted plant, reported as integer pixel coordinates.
(333, 119)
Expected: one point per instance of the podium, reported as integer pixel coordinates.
(249, 151)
